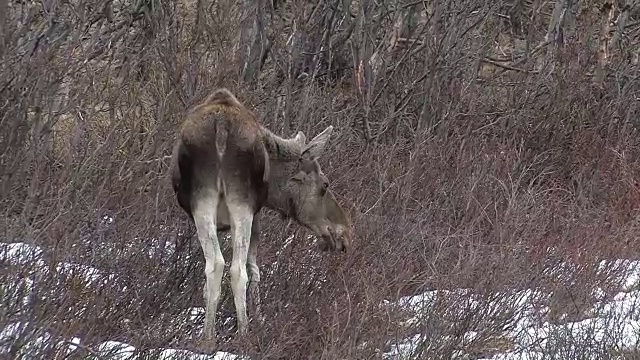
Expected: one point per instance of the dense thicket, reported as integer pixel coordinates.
(478, 144)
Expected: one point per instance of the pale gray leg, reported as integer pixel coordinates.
(252, 268)
(204, 216)
(241, 220)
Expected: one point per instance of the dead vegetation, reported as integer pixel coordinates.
(484, 149)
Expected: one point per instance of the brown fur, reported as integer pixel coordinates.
(236, 117)
(199, 161)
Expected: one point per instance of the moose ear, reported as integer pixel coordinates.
(300, 138)
(314, 149)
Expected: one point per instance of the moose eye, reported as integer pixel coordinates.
(324, 180)
(299, 177)
(324, 185)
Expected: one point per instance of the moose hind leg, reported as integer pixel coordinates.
(205, 220)
(241, 221)
(254, 271)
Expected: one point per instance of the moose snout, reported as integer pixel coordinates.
(327, 243)
(330, 245)
(333, 241)
(343, 238)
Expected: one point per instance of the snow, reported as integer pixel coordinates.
(20, 253)
(614, 323)
(29, 258)
(114, 350)
(170, 354)
(111, 350)
(74, 344)
(195, 313)
(13, 330)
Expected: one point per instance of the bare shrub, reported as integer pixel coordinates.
(484, 164)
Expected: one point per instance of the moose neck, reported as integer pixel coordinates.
(279, 198)
(283, 159)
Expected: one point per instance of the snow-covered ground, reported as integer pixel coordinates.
(611, 325)
(117, 350)
(26, 256)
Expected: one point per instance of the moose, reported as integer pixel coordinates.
(225, 167)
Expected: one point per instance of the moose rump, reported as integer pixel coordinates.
(219, 151)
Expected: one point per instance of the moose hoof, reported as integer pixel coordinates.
(206, 345)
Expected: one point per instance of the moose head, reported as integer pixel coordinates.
(301, 191)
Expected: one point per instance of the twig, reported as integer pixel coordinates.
(163, 158)
(504, 66)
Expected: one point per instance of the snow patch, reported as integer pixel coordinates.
(116, 350)
(615, 323)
